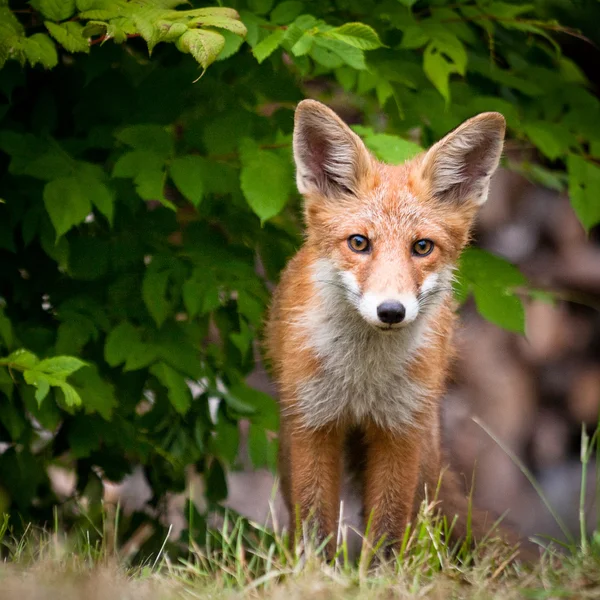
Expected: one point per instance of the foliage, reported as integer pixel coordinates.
(143, 214)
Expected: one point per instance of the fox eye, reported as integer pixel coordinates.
(422, 247)
(359, 243)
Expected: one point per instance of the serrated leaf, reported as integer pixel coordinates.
(208, 11)
(233, 25)
(266, 47)
(232, 45)
(285, 12)
(72, 398)
(266, 180)
(357, 35)
(57, 10)
(178, 390)
(21, 358)
(303, 45)
(584, 190)
(67, 203)
(60, 366)
(202, 44)
(349, 54)
(40, 49)
(186, 172)
(69, 35)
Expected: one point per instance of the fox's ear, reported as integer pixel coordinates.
(459, 167)
(330, 158)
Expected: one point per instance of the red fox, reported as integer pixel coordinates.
(360, 328)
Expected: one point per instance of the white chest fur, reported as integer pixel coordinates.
(364, 371)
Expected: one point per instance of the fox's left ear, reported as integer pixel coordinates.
(459, 167)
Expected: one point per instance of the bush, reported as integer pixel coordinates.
(148, 198)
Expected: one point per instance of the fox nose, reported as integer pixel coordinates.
(391, 312)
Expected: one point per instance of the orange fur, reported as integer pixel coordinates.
(344, 377)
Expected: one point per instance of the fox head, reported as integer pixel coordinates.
(390, 235)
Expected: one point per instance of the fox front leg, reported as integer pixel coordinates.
(315, 472)
(391, 480)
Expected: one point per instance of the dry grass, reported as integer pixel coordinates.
(245, 560)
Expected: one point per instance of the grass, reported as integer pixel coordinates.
(243, 559)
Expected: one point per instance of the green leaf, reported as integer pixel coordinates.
(154, 289)
(67, 203)
(147, 138)
(43, 387)
(60, 366)
(226, 442)
(553, 139)
(286, 12)
(6, 330)
(232, 25)
(266, 47)
(258, 446)
(178, 390)
(69, 35)
(357, 35)
(133, 163)
(266, 179)
(40, 49)
(146, 169)
(349, 54)
(388, 148)
(584, 190)
(443, 56)
(57, 10)
(186, 172)
(260, 7)
(20, 358)
(119, 343)
(413, 37)
(42, 381)
(266, 411)
(202, 44)
(493, 281)
(232, 45)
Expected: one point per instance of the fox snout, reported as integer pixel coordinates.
(388, 311)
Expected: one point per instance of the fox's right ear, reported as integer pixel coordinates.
(330, 158)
